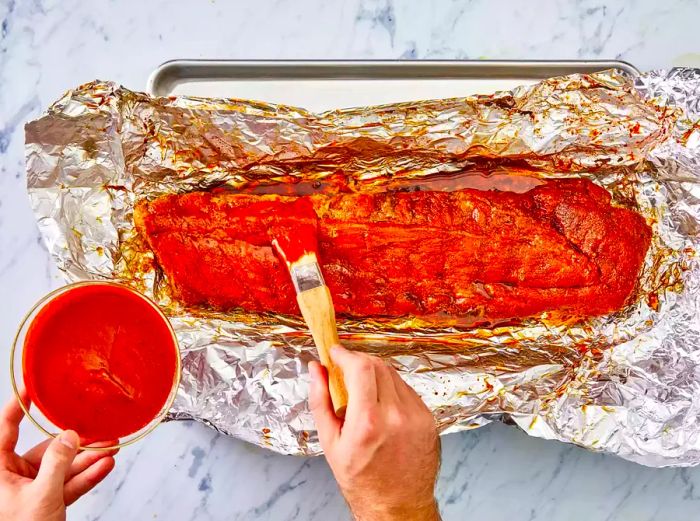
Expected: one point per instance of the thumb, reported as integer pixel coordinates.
(56, 463)
(327, 423)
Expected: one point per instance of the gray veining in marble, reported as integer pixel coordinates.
(187, 472)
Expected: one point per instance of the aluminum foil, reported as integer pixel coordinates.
(627, 384)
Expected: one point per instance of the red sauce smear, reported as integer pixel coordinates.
(293, 230)
(100, 360)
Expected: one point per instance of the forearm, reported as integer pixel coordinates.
(428, 512)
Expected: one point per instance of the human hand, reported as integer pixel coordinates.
(385, 455)
(39, 485)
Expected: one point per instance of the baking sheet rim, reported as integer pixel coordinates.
(167, 74)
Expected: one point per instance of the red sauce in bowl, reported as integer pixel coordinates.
(101, 360)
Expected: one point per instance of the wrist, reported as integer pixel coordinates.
(416, 512)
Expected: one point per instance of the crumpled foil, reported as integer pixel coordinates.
(626, 384)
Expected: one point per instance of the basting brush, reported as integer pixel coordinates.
(298, 249)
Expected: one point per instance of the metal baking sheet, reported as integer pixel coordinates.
(324, 85)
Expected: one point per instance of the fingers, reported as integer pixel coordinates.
(327, 423)
(404, 391)
(87, 458)
(10, 418)
(387, 394)
(34, 455)
(82, 461)
(407, 394)
(87, 479)
(360, 380)
(55, 464)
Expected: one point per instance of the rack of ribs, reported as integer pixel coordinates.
(487, 255)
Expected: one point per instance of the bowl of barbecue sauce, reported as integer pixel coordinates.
(98, 358)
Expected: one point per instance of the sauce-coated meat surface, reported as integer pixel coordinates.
(487, 255)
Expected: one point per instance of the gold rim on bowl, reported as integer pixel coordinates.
(47, 430)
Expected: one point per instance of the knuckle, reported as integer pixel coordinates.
(397, 418)
(364, 363)
(365, 434)
(61, 454)
(413, 424)
(369, 430)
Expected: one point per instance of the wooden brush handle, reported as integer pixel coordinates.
(317, 309)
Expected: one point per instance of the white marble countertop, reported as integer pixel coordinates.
(185, 471)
